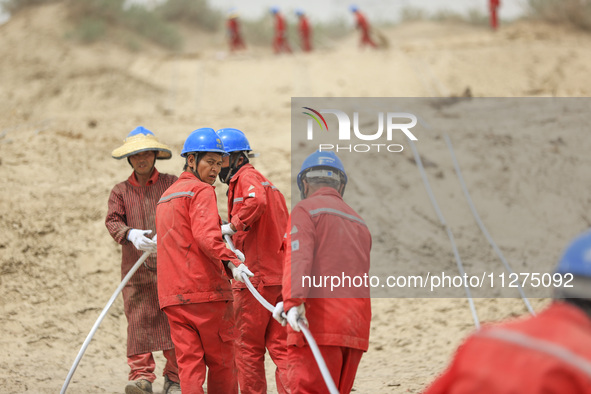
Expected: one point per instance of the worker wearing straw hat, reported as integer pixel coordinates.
(131, 221)
(326, 238)
(195, 268)
(546, 353)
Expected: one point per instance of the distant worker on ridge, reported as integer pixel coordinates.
(494, 6)
(363, 25)
(280, 43)
(234, 36)
(305, 31)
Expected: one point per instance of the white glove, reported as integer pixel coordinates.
(278, 314)
(227, 229)
(140, 241)
(297, 313)
(237, 271)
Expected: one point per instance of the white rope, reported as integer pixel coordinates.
(419, 162)
(481, 224)
(332, 388)
(100, 319)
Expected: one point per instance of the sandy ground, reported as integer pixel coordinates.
(65, 107)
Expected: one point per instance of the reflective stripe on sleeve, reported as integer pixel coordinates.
(176, 195)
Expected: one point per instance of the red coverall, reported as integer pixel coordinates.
(134, 206)
(494, 5)
(363, 26)
(280, 43)
(548, 353)
(305, 33)
(327, 237)
(193, 285)
(257, 209)
(234, 36)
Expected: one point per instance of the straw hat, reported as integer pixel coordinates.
(140, 140)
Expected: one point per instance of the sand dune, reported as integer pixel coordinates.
(66, 106)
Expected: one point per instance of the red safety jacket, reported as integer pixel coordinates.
(258, 211)
(548, 353)
(326, 237)
(190, 246)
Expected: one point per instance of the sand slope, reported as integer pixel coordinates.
(65, 107)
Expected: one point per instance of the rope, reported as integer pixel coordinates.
(447, 229)
(332, 388)
(481, 224)
(100, 319)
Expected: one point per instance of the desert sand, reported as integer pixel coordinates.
(65, 107)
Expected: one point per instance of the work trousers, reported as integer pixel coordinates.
(305, 377)
(258, 331)
(202, 335)
(143, 366)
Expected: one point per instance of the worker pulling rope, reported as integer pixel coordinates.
(332, 388)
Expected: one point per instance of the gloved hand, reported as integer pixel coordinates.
(237, 271)
(227, 229)
(140, 241)
(278, 314)
(297, 313)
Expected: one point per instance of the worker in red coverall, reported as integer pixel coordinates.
(280, 43)
(194, 271)
(234, 36)
(257, 220)
(547, 353)
(326, 238)
(305, 31)
(494, 6)
(362, 24)
(130, 221)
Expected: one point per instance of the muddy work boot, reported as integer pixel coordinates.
(140, 386)
(171, 387)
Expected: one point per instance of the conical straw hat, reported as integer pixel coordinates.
(140, 140)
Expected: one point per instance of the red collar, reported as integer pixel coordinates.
(153, 178)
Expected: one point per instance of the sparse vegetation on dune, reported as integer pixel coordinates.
(572, 12)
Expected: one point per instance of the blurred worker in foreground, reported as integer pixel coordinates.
(325, 237)
(235, 40)
(257, 216)
(494, 6)
(130, 221)
(280, 43)
(362, 24)
(305, 31)
(547, 353)
(194, 269)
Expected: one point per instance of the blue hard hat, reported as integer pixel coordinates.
(274, 9)
(299, 12)
(322, 160)
(203, 140)
(234, 140)
(353, 8)
(576, 259)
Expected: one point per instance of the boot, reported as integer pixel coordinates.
(140, 386)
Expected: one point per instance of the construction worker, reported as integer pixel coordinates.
(305, 31)
(131, 221)
(257, 216)
(547, 353)
(325, 237)
(235, 40)
(494, 6)
(280, 43)
(362, 24)
(194, 270)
